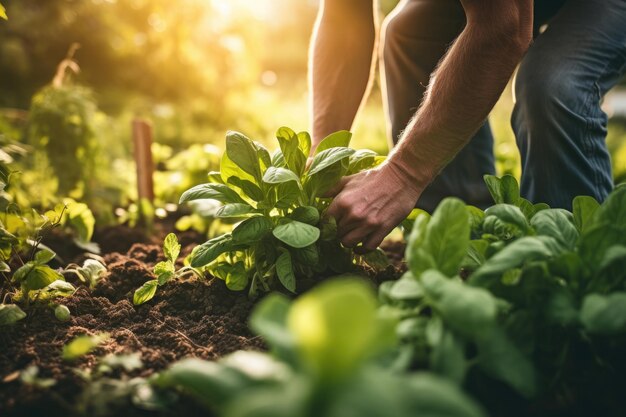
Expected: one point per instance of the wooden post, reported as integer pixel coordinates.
(142, 141)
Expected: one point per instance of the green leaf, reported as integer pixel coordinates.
(219, 192)
(318, 184)
(604, 314)
(60, 288)
(215, 177)
(81, 219)
(556, 223)
(509, 214)
(229, 169)
(605, 228)
(249, 188)
(237, 277)
(504, 190)
(165, 277)
(340, 139)
(275, 175)
(406, 288)
(286, 194)
(10, 313)
(234, 210)
(418, 253)
(318, 321)
(583, 208)
(431, 395)
(296, 234)
(44, 256)
(210, 250)
(91, 272)
(561, 308)
(304, 143)
(518, 253)
(252, 229)
(263, 155)
(278, 159)
(441, 242)
(284, 270)
(363, 159)
(82, 345)
(269, 319)
(145, 292)
(211, 383)
(164, 267)
(502, 359)
(468, 310)
(447, 355)
(308, 255)
(306, 214)
(328, 157)
(290, 146)
(243, 153)
(40, 277)
(171, 247)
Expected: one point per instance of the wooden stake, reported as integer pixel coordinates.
(142, 141)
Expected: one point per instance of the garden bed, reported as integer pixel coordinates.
(198, 318)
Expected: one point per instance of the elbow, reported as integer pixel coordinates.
(508, 26)
(519, 39)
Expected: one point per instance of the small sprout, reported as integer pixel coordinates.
(62, 313)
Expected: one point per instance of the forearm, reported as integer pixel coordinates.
(341, 63)
(462, 92)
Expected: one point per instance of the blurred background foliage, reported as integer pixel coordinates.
(195, 68)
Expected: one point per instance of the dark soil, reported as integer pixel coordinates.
(192, 317)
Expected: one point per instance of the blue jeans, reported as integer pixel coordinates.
(559, 126)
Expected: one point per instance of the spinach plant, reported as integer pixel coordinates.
(324, 362)
(520, 299)
(281, 201)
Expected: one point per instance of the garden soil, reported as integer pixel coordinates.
(199, 318)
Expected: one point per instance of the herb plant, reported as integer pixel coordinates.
(520, 299)
(281, 201)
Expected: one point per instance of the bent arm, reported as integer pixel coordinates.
(464, 88)
(341, 64)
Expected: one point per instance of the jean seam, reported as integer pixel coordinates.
(595, 93)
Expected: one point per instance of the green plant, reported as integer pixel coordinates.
(520, 299)
(284, 233)
(164, 271)
(318, 367)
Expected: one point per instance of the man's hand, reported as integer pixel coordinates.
(368, 205)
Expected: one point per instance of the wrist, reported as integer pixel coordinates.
(409, 174)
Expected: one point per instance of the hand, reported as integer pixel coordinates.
(368, 205)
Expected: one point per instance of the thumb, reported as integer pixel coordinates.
(336, 189)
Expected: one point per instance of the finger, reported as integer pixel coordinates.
(336, 189)
(345, 226)
(373, 241)
(355, 236)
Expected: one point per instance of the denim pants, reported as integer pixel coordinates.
(559, 126)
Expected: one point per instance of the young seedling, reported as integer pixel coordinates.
(164, 271)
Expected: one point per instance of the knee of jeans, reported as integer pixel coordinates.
(393, 30)
(409, 23)
(542, 92)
